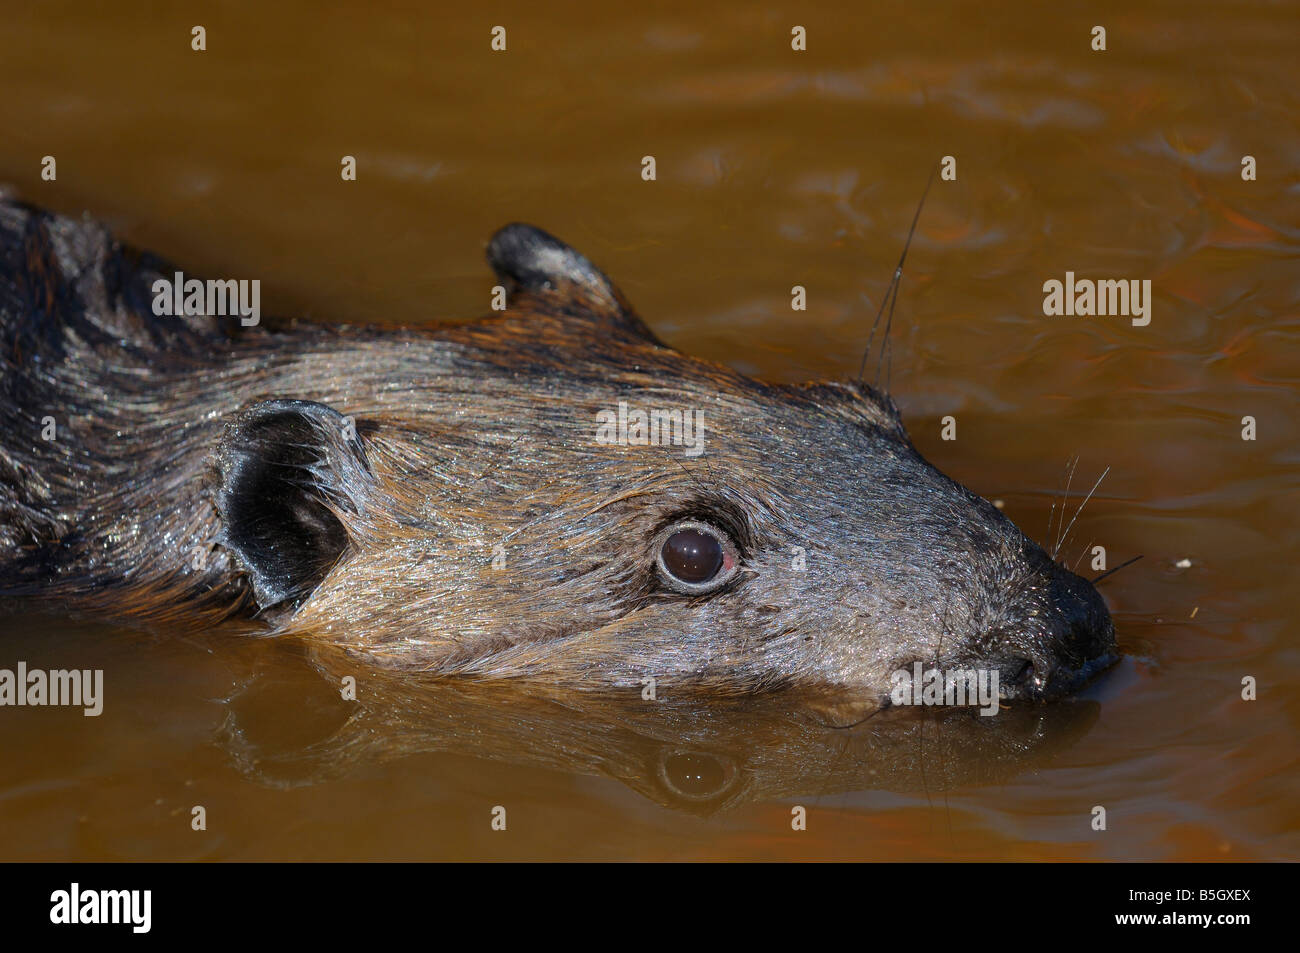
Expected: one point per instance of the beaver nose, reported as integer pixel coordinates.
(1065, 637)
(1084, 629)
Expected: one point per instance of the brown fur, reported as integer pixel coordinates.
(471, 436)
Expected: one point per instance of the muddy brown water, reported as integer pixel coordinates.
(775, 168)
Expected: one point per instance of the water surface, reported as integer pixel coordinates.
(775, 168)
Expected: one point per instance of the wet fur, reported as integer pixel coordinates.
(468, 436)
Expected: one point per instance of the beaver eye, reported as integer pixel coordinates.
(695, 557)
(692, 555)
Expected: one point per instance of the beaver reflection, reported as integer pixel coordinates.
(696, 754)
(696, 775)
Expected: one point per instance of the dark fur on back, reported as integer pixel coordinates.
(83, 356)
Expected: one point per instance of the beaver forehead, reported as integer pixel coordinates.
(617, 440)
(801, 475)
(470, 401)
(540, 354)
(522, 369)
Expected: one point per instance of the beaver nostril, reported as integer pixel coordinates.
(1029, 674)
(1020, 670)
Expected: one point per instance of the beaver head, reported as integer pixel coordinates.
(554, 493)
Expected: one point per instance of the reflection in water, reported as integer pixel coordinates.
(699, 755)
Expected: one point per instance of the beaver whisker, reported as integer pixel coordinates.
(1065, 535)
(1051, 513)
(1111, 572)
(685, 468)
(1072, 464)
(1083, 553)
(500, 457)
(891, 294)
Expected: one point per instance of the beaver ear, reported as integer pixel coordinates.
(528, 259)
(286, 470)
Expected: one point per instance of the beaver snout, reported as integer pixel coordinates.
(1060, 639)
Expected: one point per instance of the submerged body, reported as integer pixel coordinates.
(445, 499)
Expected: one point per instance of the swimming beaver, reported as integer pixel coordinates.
(437, 499)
